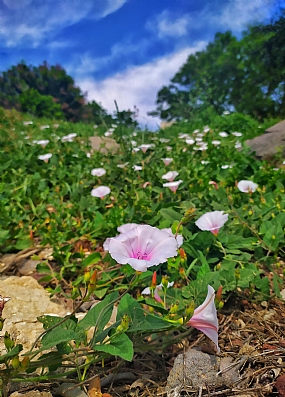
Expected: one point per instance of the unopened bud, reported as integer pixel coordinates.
(189, 311)
(15, 362)
(153, 281)
(188, 215)
(8, 342)
(25, 363)
(219, 294)
(124, 324)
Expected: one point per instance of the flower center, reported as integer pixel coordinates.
(140, 256)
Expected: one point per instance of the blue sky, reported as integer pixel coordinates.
(123, 50)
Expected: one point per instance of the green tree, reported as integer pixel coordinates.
(247, 75)
(40, 105)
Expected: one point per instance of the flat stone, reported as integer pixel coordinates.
(104, 144)
(28, 301)
(267, 145)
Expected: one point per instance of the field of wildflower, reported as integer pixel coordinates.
(165, 227)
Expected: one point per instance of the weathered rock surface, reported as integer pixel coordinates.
(104, 144)
(28, 301)
(195, 369)
(272, 142)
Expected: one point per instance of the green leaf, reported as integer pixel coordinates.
(119, 345)
(91, 259)
(100, 314)
(12, 353)
(169, 213)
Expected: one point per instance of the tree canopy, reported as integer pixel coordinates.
(246, 75)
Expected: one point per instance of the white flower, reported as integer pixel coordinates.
(190, 141)
(170, 176)
(226, 112)
(206, 129)
(238, 145)
(122, 165)
(164, 140)
(114, 125)
(226, 166)
(45, 157)
(172, 185)
(98, 172)
(196, 131)
(236, 133)
(27, 122)
(168, 148)
(108, 133)
(137, 167)
(167, 160)
(247, 186)
(223, 134)
(205, 162)
(216, 143)
(212, 221)
(42, 142)
(43, 127)
(133, 143)
(145, 147)
(68, 138)
(199, 139)
(183, 136)
(100, 191)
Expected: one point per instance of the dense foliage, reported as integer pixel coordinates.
(245, 75)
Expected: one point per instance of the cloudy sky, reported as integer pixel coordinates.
(123, 50)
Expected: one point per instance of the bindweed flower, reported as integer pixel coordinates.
(159, 287)
(196, 131)
(199, 138)
(236, 133)
(206, 128)
(108, 133)
(45, 157)
(100, 191)
(69, 137)
(142, 246)
(42, 142)
(137, 167)
(27, 123)
(164, 140)
(226, 112)
(98, 171)
(247, 186)
(122, 165)
(167, 160)
(184, 136)
(170, 176)
(168, 148)
(226, 166)
(223, 134)
(238, 145)
(173, 185)
(216, 186)
(205, 162)
(205, 318)
(190, 141)
(216, 142)
(212, 221)
(44, 127)
(145, 147)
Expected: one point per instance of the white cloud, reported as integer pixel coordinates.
(138, 85)
(33, 21)
(165, 25)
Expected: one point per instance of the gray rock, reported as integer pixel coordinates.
(267, 145)
(104, 144)
(195, 369)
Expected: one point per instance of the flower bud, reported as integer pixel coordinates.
(188, 215)
(15, 362)
(25, 363)
(124, 324)
(8, 342)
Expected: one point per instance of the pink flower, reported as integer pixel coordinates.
(167, 160)
(98, 172)
(205, 317)
(156, 296)
(170, 176)
(212, 221)
(247, 186)
(45, 157)
(100, 191)
(141, 246)
(146, 146)
(172, 185)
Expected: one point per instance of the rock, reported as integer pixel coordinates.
(32, 393)
(104, 144)
(195, 369)
(70, 390)
(267, 145)
(28, 301)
